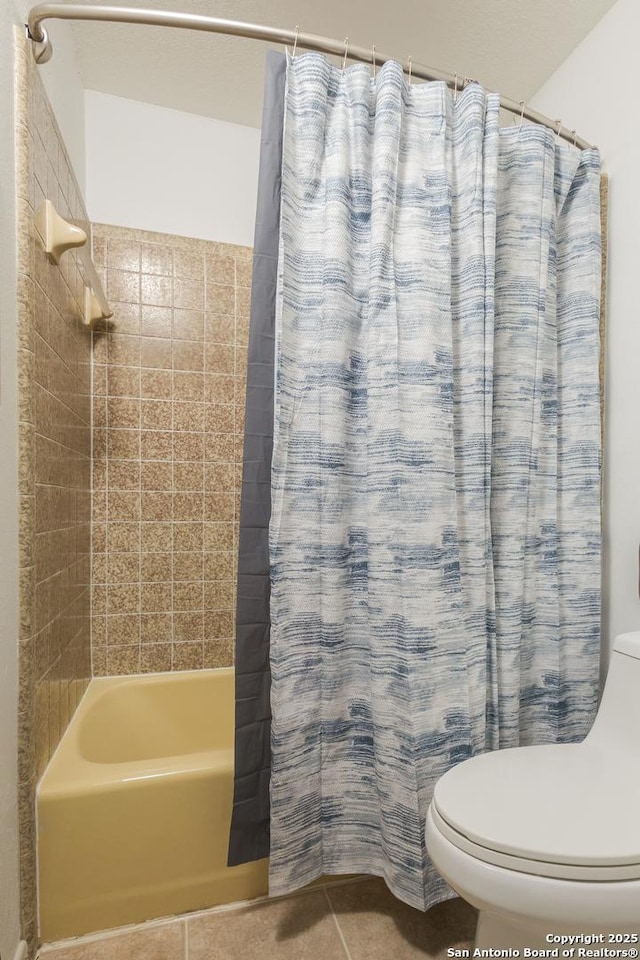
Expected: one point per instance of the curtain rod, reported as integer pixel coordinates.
(43, 50)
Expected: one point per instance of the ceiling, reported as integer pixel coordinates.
(509, 45)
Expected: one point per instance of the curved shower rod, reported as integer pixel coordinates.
(43, 50)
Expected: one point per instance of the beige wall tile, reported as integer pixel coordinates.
(188, 324)
(122, 254)
(156, 536)
(123, 286)
(126, 317)
(219, 447)
(166, 487)
(155, 658)
(156, 414)
(122, 629)
(219, 476)
(189, 416)
(156, 384)
(156, 597)
(220, 329)
(220, 418)
(188, 506)
(156, 353)
(157, 506)
(218, 565)
(123, 444)
(156, 321)
(99, 662)
(220, 358)
(156, 444)
(123, 660)
(188, 355)
(156, 258)
(188, 446)
(54, 377)
(244, 269)
(188, 627)
(123, 412)
(156, 628)
(123, 474)
(219, 594)
(217, 653)
(189, 263)
(122, 567)
(156, 290)
(156, 567)
(187, 475)
(188, 294)
(123, 537)
(187, 656)
(217, 624)
(123, 381)
(156, 475)
(188, 537)
(220, 269)
(123, 598)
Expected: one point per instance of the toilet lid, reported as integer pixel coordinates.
(565, 804)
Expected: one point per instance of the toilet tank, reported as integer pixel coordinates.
(618, 719)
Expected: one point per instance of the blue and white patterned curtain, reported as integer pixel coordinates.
(435, 531)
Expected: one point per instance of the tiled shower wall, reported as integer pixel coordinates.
(54, 369)
(168, 409)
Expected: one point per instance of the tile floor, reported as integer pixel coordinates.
(349, 921)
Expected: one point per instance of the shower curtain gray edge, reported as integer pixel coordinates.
(249, 832)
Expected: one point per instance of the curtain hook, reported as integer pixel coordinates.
(465, 82)
(575, 137)
(295, 42)
(373, 59)
(346, 52)
(410, 67)
(455, 87)
(522, 106)
(559, 122)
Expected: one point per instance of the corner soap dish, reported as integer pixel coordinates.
(59, 235)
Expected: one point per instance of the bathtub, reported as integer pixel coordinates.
(133, 810)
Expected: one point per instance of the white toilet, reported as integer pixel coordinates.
(546, 840)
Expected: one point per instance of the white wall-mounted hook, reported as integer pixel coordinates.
(57, 234)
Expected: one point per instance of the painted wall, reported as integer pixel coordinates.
(591, 92)
(64, 89)
(157, 169)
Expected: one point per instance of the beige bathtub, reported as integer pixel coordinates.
(133, 810)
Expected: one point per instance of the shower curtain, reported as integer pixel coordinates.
(435, 502)
(249, 831)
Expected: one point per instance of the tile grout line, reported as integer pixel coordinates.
(345, 945)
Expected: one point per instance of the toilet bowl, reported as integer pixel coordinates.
(545, 841)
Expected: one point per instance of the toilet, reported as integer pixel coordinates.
(545, 841)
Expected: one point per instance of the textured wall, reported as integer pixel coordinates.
(591, 98)
(54, 372)
(139, 152)
(168, 408)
